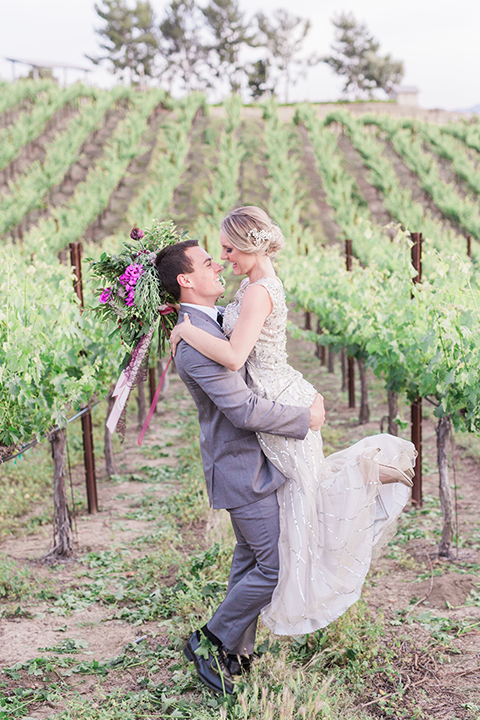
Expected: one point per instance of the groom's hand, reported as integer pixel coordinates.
(317, 413)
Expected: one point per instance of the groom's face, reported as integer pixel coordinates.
(202, 284)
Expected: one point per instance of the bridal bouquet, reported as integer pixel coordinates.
(131, 295)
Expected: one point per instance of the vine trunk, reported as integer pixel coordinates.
(364, 414)
(446, 500)
(392, 412)
(62, 526)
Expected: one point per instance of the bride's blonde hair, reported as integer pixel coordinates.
(250, 230)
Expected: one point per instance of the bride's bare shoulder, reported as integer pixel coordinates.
(257, 295)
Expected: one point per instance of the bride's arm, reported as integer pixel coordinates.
(256, 307)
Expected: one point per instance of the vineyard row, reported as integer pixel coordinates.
(423, 341)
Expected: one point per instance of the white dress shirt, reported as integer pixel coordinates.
(212, 312)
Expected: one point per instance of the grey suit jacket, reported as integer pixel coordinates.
(236, 471)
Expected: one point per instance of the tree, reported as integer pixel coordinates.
(230, 33)
(182, 47)
(130, 39)
(356, 58)
(283, 39)
(258, 74)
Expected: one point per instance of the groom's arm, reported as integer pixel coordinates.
(229, 392)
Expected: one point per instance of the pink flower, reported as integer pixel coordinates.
(106, 295)
(130, 299)
(131, 275)
(136, 234)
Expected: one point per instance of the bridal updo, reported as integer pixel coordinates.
(250, 230)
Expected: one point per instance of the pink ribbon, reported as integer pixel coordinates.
(152, 406)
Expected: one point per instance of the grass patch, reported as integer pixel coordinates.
(15, 581)
(470, 443)
(26, 483)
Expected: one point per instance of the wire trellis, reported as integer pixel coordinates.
(33, 442)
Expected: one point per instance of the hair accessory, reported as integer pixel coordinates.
(259, 236)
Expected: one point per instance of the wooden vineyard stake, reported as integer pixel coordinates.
(416, 437)
(351, 382)
(416, 407)
(417, 240)
(89, 459)
(469, 246)
(348, 255)
(152, 382)
(350, 360)
(343, 362)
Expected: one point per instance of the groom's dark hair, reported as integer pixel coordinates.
(171, 262)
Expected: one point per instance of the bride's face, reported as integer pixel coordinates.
(241, 262)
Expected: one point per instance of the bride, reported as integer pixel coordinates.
(335, 512)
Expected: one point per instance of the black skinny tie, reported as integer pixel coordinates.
(220, 318)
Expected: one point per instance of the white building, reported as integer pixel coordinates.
(405, 94)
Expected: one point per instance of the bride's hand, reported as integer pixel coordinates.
(177, 333)
(317, 413)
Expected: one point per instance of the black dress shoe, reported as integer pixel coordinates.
(238, 664)
(211, 670)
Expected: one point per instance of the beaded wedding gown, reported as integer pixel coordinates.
(334, 512)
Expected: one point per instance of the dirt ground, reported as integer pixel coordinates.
(109, 529)
(404, 583)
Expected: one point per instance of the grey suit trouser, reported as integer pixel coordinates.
(253, 575)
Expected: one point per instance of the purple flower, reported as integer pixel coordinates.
(106, 295)
(131, 275)
(136, 234)
(130, 299)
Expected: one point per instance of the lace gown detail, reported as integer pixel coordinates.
(334, 512)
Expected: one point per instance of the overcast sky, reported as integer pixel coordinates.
(439, 42)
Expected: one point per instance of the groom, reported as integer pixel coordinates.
(238, 476)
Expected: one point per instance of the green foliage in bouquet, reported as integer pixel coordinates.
(129, 288)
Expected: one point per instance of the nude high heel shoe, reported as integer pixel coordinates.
(388, 474)
(392, 474)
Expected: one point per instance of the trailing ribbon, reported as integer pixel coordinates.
(127, 379)
(152, 406)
